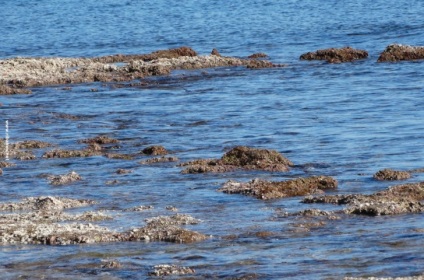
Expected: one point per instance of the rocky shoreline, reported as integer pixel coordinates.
(20, 74)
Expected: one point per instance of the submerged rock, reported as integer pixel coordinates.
(13, 151)
(64, 179)
(270, 190)
(6, 164)
(7, 90)
(391, 175)
(334, 55)
(396, 52)
(31, 144)
(241, 157)
(399, 199)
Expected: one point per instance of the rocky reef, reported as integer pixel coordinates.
(42, 220)
(397, 52)
(335, 55)
(398, 199)
(270, 190)
(23, 73)
(391, 175)
(241, 157)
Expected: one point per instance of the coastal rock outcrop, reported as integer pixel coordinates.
(398, 199)
(335, 55)
(397, 52)
(270, 190)
(391, 175)
(241, 157)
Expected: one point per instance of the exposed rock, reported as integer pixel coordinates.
(389, 174)
(64, 179)
(166, 229)
(12, 151)
(334, 55)
(57, 153)
(257, 55)
(101, 140)
(215, 52)
(31, 144)
(111, 264)
(269, 190)
(7, 90)
(419, 277)
(31, 72)
(399, 199)
(6, 164)
(171, 208)
(166, 270)
(158, 160)
(1, 172)
(46, 203)
(120, 156)
(155, 151)
(256, 64)
(123, 171)
(241, 157)
(397, 52)
(140, 208)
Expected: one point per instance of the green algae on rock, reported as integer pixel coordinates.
(241, 157)
(397, 52)
(270, 190)
(334, 55)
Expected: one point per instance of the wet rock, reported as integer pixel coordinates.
(165, 228)
(101, 140)
(58, 153)
(334, 55)
(257, 64)
(391, 175)
(257, 55)
(155, 151)
(241, 157)
(1, 172)
(31, 72)
(46, 203)
(31, 144)
(397, 52)
(317, 213)
(111, 264)
(399, 199)
(270, 190)
(58, 180)
(122, 171)
(140, 208)
(12, 151)
(215, 52)
(166, 270)
(120, 156)
(6, 164)
(171, 208)
(7, 90)
(419, 277)
(158, 160)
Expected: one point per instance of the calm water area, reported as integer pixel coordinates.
(343, 120)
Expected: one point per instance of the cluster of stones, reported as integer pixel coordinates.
(41, 220)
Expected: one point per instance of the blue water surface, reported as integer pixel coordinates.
(342, 120)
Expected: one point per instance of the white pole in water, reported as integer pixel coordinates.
(7, 140)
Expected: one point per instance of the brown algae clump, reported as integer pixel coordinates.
(241, 157)
(334, 55)
(270, 190)
(398, 52)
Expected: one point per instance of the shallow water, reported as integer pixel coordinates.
(343, 120)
